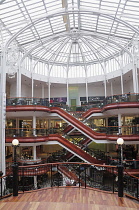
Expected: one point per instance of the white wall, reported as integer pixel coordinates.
(128, 86)
(56, 90)
(13, 90)
(96, 89)
(25, 90)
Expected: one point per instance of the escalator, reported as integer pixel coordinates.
(87, 131)
(62, 142)
(84, 143)
(80, 126)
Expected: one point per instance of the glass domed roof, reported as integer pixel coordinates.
(69, 32)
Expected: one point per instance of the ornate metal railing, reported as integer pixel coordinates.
(64, 174)
(131, 186)
(83, 175)
(127, 97)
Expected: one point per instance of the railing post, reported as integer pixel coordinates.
(79, 176)
(23, 180)
(113, 180)
(58, 176)
(120, 180)
(51, 176)
(15, 179)
(1, 173)
(137, 188)
(85, 176)
(1, 187)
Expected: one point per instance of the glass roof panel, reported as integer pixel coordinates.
(85, 38)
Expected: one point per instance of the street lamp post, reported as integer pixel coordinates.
(15, 144)
(120, 142)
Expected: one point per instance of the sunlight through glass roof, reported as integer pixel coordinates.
(69, 32)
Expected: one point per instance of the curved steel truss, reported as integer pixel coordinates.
(70, 32)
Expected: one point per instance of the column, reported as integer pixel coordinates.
(123, 129)
(134, 67)
(34, 152)
(119, 124)
(122, 85)
(18, 83)
(34, 158)
(35, 182)
(105, 88)
(49, 91)
(17, 126)
(122, 88)
(67, 92)
(135, 78)
(105, 79)
(42, 90)
(34, 125)
(32, 87)
(111, 90)
(106, 124)
(86, 90)
(2, 113)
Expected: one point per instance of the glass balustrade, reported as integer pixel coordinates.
(109, 130)
(84, 107)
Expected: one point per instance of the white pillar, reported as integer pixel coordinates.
(67, 92)
(122, 86)
(34, 125)
(35, 182)
(105, 79)
(2, 113)
(49, 91)
(111, 90)
(86, 90)
(18, 83)
(135, 78)
(105, 88)
(32, 87)
(34, 152)
(17, 126)
(121, 66)
(106, 121)
(119, 123)
(34, 158)
(134, 66)
(42, 90)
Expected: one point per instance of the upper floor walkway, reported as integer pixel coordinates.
(125, 104)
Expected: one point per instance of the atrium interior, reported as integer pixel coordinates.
(69, 89)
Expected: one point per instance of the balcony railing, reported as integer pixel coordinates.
(109, 130)
(31, 132)
(84, 107)
(83, 175)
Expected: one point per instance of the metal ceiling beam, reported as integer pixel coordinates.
(48, 19)
(97, 36)
(79, 16)
(91, 47)
(57, 53)
(32, 23)
(96, 13)
(114, 20)
(51, 38)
